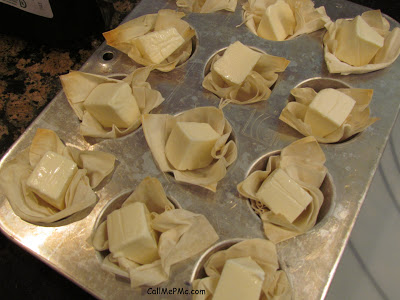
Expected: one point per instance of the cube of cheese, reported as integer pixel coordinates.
(282, 195)
(156, 46)
(113, 104)
(130, 234)
(189, 145)
(277, 23)
(51, 177)
(259, 5)
(241, 278)
(357, 42)
(328, 111)
(236, 63)
(166, 20)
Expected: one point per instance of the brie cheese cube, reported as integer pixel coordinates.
(241, 278)
(328, 111)
(156, 46)
(51, 177)
(282, 195)
(166, 20)
(258, 5)
(189, 145)
(236, 63)
(277, 23)
(113, 104)
(130, 234)
(357, 42)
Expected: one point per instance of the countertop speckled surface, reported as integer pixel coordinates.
(29, 74)
(29, 80)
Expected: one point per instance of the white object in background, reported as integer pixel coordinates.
(37, 7)
(370, 266)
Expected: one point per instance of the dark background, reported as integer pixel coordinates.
(391, 8)
(22, 276)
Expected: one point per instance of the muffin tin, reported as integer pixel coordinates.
(310, 259)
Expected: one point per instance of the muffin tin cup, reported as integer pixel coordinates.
(310, 259)
(112, 205)
(318, 84)
(327, 188)
(199, 271)
(232, 137)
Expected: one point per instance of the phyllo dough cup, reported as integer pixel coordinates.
(385, 56)
(207, 6)
(275, 285)
(307, 18)
(255, 87)
(358, 120)
(125, 36)
(181, 235)
(303, 161)
(78, 86)
(93, 167)
(157, 129)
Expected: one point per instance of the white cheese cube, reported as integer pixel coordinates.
(189, 145)
(113, 104)
(282, 195)
(241, 278)
(357, 42)
(236, 63)
(156, 46)
(277, 23)
(166, 20)
(328, 111)
(258, 5)
(130, 234)
(51, 177)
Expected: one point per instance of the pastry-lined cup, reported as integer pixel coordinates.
(78, 85)
(308, 19)
(303, 161)
(114, 204)
(207, 6)
(93, 167)
(327, 188)
(303, 94)
(255, 88)
(157, 129)
(209, 267)
(182, 234)
(123, 38)
(383, 58)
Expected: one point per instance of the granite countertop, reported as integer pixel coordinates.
(29, 74)
(29, 80)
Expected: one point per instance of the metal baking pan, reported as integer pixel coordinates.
(310, 259)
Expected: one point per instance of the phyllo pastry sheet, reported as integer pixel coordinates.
(158, 131)
(299, 114)
(207, 6)
(162, 40)
(275, 284)
(361, 45)
(283, 19)
(303, 163)
(177, 234)
(242, 75)
(31, 198)
(108, 107)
